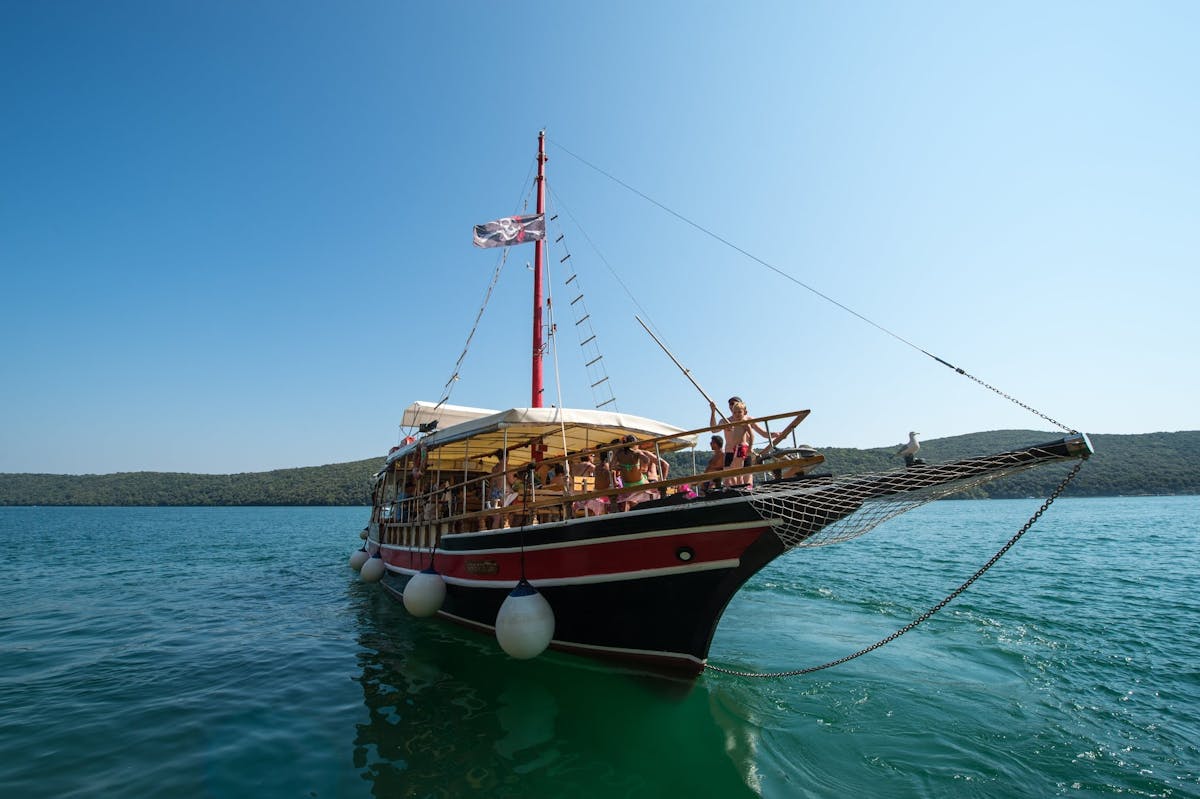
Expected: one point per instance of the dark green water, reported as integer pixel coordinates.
(231, 652)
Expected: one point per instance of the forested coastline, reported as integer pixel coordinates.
(1124, 465)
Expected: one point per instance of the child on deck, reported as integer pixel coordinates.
(739, 439)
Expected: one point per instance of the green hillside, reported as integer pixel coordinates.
(335, 484)
(1124, 465)
(1151, 463)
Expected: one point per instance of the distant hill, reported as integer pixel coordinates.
(1124, 465)
(335, 484)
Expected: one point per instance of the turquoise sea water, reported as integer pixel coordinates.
(231, 652)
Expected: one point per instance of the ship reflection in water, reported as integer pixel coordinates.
(451, 715)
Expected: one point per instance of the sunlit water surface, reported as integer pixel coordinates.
(182, 652)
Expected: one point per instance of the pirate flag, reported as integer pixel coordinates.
(511, 230)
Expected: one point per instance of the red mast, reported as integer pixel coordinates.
(538, 247)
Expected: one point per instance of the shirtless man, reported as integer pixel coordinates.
(739, 439)
(586, 467)
(657, 468)
(716, 463)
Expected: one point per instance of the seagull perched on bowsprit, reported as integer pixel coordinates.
(909, 451)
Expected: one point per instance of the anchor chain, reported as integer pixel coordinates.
(927, 614)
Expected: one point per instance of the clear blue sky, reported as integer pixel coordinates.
(236, 236)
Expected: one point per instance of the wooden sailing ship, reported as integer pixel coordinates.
(510, 521)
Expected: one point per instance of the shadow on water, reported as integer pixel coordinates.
(451, 715)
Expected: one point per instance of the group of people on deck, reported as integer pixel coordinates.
(628, 466)
(634, 468)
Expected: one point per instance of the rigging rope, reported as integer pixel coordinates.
(449, 387)
(624, 287)
(601, 385)
(454, 374)
(805, 286)
(927, 614)
(552, 343)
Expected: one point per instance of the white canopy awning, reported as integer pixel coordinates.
(476, 442)
(420, 413)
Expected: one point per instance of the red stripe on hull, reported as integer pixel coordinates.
(595, 557)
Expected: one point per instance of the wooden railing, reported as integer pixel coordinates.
(415, 522)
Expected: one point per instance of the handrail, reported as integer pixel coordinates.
(677, 481)
(418, 502)
(566, 499)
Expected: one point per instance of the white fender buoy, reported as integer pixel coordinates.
(525, 623)
(372, 571)
(359, 558)
(425, 592)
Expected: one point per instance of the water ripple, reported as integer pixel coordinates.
(230, 652)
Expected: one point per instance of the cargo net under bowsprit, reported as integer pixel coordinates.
(824, 510)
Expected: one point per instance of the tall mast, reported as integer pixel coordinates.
(538, 247)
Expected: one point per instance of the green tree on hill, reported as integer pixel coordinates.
(1145, 464)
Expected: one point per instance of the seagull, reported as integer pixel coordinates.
(909, 450)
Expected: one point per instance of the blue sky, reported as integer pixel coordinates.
(236, 236)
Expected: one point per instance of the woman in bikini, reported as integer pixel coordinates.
(631, 464)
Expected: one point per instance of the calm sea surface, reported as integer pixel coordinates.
(182, 652)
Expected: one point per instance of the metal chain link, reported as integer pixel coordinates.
(953, 595)
(1016, 401)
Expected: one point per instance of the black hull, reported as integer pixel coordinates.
(665, 622)
(650, 586)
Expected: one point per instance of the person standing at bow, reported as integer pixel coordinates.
(739, 439)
